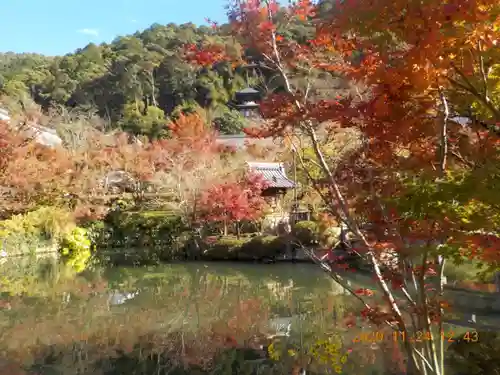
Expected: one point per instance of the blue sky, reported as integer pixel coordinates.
(56, 27)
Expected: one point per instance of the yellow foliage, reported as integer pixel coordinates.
(324, 352)
(49, 222)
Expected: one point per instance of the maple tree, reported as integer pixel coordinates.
(30, 174)
(233, 201)
(422, 181)
(183, 166)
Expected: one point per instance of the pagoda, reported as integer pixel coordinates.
(246, 101)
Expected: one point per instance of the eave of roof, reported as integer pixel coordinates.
(273, 173)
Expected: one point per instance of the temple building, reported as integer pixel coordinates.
(275, 177)
(246, 101)
(278, 184)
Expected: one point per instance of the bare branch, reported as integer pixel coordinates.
(441, 262)
(484, 73)
(443, 132)
(469, 87)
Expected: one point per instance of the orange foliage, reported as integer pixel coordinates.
(32, 174)
(408, 57)
(406, 60)
(190, 132)
(205, 56)
(189, 126)
(29, 172)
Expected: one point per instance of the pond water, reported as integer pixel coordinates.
(155, 319)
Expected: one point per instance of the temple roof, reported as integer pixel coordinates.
(273, 173)
(247, 90)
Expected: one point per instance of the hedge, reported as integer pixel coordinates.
(306, 232)
(149, 237)
(256, 248)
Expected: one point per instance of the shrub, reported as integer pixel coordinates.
(255, 248)
(306, 232)
(481, 356)
(36, 229)
(264, 247)
(149, 236)
(224, 248)
(75, 249)
(469, 271)
(96, 231)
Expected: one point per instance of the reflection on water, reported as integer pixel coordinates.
(205, 317)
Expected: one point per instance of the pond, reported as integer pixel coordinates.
(206, 318)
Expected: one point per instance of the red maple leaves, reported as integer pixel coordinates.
(234, 201)
(205, 55)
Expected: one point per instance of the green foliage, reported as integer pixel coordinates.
(147, 69)
(140, 120)
(230, 122)
(75, 249)
(474, 271)
(468, 198)
(95, 230)
(185, 108)
(466, 103)
(324, 352)
(475, 358)
(151, 237)
(264, 246)
(255, 248)
(35, 229)
(306, 232)
(224, 248)
(329, 352)
(468, 201)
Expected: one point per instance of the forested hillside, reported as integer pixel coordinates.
(138, 80)
(135, 81)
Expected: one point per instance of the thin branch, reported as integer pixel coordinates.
(482, 69)
(425, 319)
(313, 162)
(423, 359)
(341, 207)
(444, 132)
(334, 275)
(469, 87)
(441, 262)
(317, 188)
(308, 87)
(462, 159)
(401, 262)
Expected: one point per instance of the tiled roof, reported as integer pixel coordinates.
(273, 173)
(248, 90)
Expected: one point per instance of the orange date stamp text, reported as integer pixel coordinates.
(418, 336)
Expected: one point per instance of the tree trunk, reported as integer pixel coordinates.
(153, 96)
